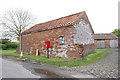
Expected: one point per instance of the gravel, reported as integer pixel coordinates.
(105, 68)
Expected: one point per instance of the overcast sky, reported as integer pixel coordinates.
(103, 14)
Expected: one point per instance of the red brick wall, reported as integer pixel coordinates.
(88, 49)
(33, 41)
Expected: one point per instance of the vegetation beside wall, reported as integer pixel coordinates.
(116, 32)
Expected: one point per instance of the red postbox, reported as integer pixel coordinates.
(47, 44)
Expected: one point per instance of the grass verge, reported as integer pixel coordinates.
(91, 58)
(104, 49)
(107, 49)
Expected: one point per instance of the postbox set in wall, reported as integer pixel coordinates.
(47, 44)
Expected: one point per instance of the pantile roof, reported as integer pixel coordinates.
(55, 23)
(104, 36)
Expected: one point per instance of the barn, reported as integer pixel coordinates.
(105, 40)
(66, 36)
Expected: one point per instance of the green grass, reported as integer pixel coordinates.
(115, 48)
(104, 49)
(91, 58)
(107, 49)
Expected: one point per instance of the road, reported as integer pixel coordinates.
(13, 70)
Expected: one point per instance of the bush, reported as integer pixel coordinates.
(12, 45)
(4, 46)
(9, 45)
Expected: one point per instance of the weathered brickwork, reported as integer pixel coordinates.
(33, 41)
(95, 41)
(78, 33)
(107, 43)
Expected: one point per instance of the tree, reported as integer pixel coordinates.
(15, 22)
(116, 32)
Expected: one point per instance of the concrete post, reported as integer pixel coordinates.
(20, 43)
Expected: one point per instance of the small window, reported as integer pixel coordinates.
(61, 40)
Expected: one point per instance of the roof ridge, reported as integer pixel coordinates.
(83, 12)
(105, 36)
(102, 33)
(60, 18)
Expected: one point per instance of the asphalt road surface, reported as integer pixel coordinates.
(17, 69)
(13, 70)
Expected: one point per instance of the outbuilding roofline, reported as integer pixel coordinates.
(100, 36)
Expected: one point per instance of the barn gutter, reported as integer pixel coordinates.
(46, 29)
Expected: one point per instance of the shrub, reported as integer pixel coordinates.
(9, 45)
(4, 46)
(12, 45)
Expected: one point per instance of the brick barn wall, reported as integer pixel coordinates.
(33, 41)
(88, 49)
(80, 33)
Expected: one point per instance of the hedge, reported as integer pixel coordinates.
(9, 45)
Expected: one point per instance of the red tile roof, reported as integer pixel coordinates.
(105, 36)
(55, 23)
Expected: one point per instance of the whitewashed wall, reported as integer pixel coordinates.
(83, 33)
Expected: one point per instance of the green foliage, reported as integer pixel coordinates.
(4, 46)
(116, 32)
(105, 49)
(9, 45)
(12, 45)
(91, 58)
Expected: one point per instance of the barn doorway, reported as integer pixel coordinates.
(101, 44)
(113, 43)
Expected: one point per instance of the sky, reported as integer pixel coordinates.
(102, 14)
